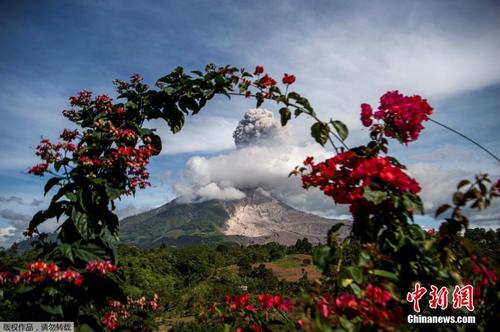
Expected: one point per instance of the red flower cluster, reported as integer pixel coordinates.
(51, 152)
(48, 151)
(127, 134)
(236, 302)
(269, 301)
(345, 176)
(402, 115)
(372, 307)
(136, 160)
(366, 115)
(110, 320)
(69, 135)
(39, 169)
(288, 79)
(255, 327)
(101, 267)
(484, 275)
(4, 278)
(258, 70)
(39, 271)
(83, 99)
(267, 81)
(266, 302)
(118, 311)
(136, 78)
(104, 103)
(258, 310)
(141, 303)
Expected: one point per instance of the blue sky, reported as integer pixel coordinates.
(342, 52)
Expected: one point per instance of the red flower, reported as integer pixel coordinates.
(366, 115)
(250, 307)
(266, 301)
(288, 79)
(69, 135)
(346, 301)
(4, 277)
(83, 98)
(110, 320)
(256, 327)
(120, 110)
(267, 81)
(136, 78)
(101, 267)
(377, 294)
(39, 169)
(403, 115)
(258, 70)
(345, 177)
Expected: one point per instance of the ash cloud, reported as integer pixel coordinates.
(264, 156)
(257, 126)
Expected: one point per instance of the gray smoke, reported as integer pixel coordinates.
(257, 126)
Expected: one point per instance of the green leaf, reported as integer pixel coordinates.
(385, 274)
(413, 202)
(51, 183)
(188, 103)
(55, 209)
(156, 143)
(37, 219)
(55, 310)
(72, 196)
(320, 131)
(67, 251)
(321, 257)
(80, 220)
(355, 273)
(356, 290)
(374, 196)
(294, 95)
(347, 324)
(174, 118)
(112, 192)
(458, 198)
(336, 227)
(340, 128)
(443, 208)
(85, 328)
(345, 282)
(462, 183)
(260, 99)
(285, 115)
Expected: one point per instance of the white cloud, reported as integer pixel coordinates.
(203, 133)
(264, 163)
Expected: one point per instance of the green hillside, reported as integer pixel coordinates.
(178, 225)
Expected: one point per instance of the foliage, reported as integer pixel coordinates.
(106, 157)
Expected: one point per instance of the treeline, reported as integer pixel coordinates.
(187, 279)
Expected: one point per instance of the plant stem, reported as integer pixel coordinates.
(467, 138)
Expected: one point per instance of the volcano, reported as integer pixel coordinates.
(257, 218)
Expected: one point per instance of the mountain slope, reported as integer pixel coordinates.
(257, 218)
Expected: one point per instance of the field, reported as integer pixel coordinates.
(292, 267)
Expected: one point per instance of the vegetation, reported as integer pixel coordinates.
(189, 280)
(368, 278)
